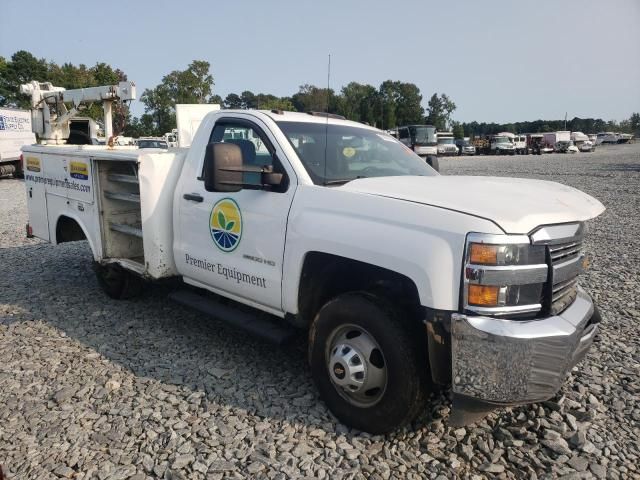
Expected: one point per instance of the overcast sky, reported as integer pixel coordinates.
(500, 61)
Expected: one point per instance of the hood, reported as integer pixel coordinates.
(517, 205)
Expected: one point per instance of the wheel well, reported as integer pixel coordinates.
(325, 276)
(68, 230)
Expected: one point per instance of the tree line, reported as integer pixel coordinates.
(391, 104)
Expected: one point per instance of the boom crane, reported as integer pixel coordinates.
(51, 116)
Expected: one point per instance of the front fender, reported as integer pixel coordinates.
(421, 242)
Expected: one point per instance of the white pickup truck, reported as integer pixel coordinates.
(403, 278)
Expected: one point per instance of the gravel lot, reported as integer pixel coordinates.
(95, 388)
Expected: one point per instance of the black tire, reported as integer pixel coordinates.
(433, 162)
(117, 282)
(403, 351)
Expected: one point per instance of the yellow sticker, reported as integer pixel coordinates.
(79, 170)
(348, 152)
(33, 164)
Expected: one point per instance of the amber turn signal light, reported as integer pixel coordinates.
(483, 295)
(483, 254)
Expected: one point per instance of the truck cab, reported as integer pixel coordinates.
(502, 144)
(446, 144)
(400, 277)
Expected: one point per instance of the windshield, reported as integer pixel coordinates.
(502, 140)
(152, 144)
(445, 140)
(423, 135)
(341, 153)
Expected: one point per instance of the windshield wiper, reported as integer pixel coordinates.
(341, 181)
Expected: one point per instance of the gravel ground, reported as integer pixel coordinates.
(95, 388)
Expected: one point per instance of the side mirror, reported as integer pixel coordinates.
(223, 168)
(271, 178)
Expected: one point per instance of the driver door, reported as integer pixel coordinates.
(235, 240)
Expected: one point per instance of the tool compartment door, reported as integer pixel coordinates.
(35, 180)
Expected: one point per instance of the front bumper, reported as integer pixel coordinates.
(497, 362)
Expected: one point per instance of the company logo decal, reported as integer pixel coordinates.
(79, 170)
(33, 164)
(225, 224)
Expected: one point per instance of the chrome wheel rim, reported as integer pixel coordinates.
(356, 365)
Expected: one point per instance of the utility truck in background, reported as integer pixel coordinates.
(275, 221)
(54, 108)
(15, 132)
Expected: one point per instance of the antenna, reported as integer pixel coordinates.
(326, 128)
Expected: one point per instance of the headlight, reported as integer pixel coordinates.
(503, 275)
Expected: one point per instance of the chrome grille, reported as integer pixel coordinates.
(565, 259)
(566, 266)
(564, 250)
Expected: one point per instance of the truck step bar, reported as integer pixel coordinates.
(128, 229)
(126, 197)
(122, 178)
(252, 323)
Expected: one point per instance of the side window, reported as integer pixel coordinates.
(256, 149)
(404, 133)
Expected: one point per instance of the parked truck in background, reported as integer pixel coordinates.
(535, 143)
(446, 144)
(559, 140)
(499, 144)
(520, 143)
(276, 221)
(465, 147)
(423, 140)
(582, 141)
(15, 132)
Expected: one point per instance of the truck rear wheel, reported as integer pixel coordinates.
(370, 370)
(117, 282)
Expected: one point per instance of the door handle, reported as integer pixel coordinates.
(194, 197)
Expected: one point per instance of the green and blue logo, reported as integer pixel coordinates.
(225, 224)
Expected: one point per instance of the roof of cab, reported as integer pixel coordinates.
(284, 116)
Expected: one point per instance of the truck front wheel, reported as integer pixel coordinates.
(117, 282)
(368, 366)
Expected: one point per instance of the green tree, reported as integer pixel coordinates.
(310, 98)
(249, 100)
(400, 104)
(458, 129)
(634, 123)
(193, 85)
(439, 110)
(232, 100)
(271, 102)
(358, 102)
(141, 127)
(22, 68)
